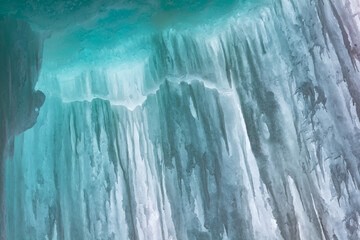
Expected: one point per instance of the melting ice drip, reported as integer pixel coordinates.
(249, 130)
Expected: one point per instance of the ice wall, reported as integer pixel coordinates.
(249, 130)
(20, 60)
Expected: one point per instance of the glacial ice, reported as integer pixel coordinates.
(246, 127)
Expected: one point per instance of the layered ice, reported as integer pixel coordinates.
(243, 128)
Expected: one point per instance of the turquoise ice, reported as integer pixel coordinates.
(181, 119)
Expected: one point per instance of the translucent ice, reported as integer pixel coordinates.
(20, 60)
(233, 124)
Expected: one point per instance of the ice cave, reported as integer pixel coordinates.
(179, 119)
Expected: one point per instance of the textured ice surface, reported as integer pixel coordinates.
(20, 60)
(245, 128)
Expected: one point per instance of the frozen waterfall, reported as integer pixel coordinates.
(244, 125)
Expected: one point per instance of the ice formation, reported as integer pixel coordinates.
(20, 61)
(242, 125)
